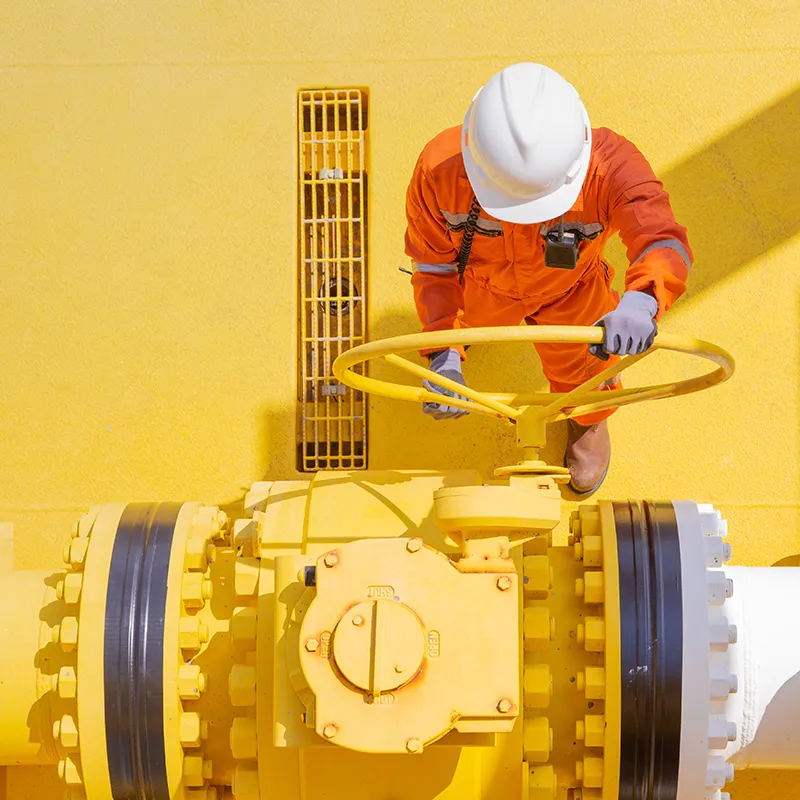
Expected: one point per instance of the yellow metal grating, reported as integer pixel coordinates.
(332, 129)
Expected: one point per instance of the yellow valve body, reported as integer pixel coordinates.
(341, 625)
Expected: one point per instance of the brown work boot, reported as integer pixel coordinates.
(587, 457)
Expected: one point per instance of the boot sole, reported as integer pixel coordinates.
(593, 489)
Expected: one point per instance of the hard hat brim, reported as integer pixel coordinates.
(517, 210)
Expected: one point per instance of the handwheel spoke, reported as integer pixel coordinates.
(574, 397)
(626, 397)
(655, 393)
(426, 396)
(465, 391)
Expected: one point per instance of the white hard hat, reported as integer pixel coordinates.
(526, 143)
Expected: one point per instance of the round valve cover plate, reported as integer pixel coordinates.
(379, 645)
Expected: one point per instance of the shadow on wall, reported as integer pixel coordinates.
(739, 197)
(789, 561)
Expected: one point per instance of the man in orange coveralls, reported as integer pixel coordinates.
(508, 216)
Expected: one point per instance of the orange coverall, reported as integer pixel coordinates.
(506, 280)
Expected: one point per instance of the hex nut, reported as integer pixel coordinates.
(505, 706)
(245, 535)
(66, 731)
(198, 549)
(536, 738)
(245, 576)
(592, 683)
(536, 628)
(592, 772)
(206, 793)
(590, 522)
(245, 783)
(536, 573)
(244, 738)
(66, 634)
(192, 590)
(242, 685)
(67, 683)
(594, 730)
(75, 553)
(194, 770)
(191, 682)
(68, 771)
(190, 729)
(542, 784)
(329, 731)
(71, 588)
(595, 634)
(592, 551)
(594, 587)
(192, 633)
(537, 683)
(214, 521)
(244, 627)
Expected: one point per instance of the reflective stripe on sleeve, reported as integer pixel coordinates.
(672, 244)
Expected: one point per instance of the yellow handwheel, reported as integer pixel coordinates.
(531, 411)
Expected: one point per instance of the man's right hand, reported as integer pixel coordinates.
(446, 363)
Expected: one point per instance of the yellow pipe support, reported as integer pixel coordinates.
(31, 663)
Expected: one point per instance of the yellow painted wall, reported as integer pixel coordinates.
(147, 241)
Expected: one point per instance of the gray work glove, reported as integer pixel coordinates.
(446, 363)
(629, 328)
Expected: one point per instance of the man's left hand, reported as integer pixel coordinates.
(630, 328)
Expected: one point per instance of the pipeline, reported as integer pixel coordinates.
(399, 635)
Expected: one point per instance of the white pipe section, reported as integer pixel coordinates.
(696, 696)
(740, 705)
(764, 607)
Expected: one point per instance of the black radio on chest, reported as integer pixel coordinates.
(562, 242)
